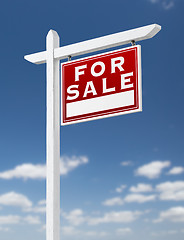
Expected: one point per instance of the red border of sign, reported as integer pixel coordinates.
(109, 112)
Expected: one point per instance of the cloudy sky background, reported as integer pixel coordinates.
(122, 177)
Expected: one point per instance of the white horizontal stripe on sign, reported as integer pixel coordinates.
(98, 104)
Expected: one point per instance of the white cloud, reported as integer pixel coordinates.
(95, 234)
(171, 190)
(103, 234)
(75, 217)
(20, 200)
(91, 234)
(42, 202)
(123, 231)
(15, 219)
(154, 1)
(141, 187)
(175, 214)
(36, 209)
(15, 199)
(115, 217)
(164, 233)
(69, 164)
(69, 231)
(170, 186)
(9, 219)
(139, 198)
(42, 228)
(25, 171)
(40, 208)
(4, 229)
(72, 231)
(117, 201)
(32, 220)
(172, 232)
(166, 4)
(126, 163)
(38, 171)
(176, 171)
(120, 189)
(152, 170)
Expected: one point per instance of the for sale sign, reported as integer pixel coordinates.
(101, 86)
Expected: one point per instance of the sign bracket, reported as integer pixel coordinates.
(69, 58)
(133, 43)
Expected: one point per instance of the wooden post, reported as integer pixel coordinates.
(53, 140)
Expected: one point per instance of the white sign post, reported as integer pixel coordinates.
(53, 140)
(51, 57)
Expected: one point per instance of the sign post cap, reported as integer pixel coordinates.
(53, 33)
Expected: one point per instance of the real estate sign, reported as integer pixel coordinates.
(101, 86)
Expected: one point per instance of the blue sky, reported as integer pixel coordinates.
(121, 177)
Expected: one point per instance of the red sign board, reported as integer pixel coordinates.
(101, 86)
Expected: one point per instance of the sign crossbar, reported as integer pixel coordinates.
(97, 44)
